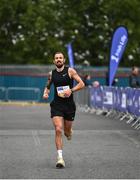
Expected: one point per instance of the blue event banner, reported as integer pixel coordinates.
(119, 42)
(70, 55)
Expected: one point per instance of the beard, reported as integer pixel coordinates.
(59, 64)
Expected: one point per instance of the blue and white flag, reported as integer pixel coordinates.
(119, 41)
(70, 55)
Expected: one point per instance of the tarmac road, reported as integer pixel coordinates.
(101, 148)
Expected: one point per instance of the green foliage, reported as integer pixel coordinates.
(32, 30)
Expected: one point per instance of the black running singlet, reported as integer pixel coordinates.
(61, 81)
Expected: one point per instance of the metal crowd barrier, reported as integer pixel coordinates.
(20, 94)
(117, 102)
(82, 99)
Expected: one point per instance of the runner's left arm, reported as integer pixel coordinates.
(74, 75)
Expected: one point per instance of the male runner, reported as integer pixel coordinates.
(62, 107)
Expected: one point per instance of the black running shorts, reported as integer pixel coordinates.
(65, 110)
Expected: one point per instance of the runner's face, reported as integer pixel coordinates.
(59, 60)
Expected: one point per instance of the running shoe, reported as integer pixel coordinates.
(60, 163)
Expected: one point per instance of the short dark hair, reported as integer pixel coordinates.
(58, 52)
(134, 67)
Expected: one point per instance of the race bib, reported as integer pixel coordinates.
(61, 90)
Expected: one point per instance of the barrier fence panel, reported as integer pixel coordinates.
(92, 98)
(23, 94)
(121, 103)
(108, 97)
(2, 93)
(123, 98)
(96, 97)
(82, 97)
(126, 100)
(137, 102)
(131, 100)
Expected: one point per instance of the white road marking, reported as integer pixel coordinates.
(36, 138)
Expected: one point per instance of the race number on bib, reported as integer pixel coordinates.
(61, 91)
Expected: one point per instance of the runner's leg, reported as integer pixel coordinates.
(58, 124)
(67, 128)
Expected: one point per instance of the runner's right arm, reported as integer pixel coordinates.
(47, 87)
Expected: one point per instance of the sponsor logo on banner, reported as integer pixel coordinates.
(108, 98)
(123, 100)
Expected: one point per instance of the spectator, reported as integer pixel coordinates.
(134, 78)
(87, 80)
(115, 81)
(96, 84)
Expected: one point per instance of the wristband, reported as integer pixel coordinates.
(48, 87)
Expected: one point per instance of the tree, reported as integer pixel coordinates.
(31, 31)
